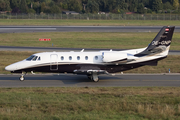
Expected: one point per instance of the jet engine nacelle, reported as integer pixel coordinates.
(113, 56)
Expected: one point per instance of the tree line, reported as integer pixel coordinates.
(90, 6)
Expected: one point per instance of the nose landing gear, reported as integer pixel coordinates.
(22, 77)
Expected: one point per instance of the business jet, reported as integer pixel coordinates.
(94, 63)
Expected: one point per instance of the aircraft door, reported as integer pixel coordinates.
(54, 62)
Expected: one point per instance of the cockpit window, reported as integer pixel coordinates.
(30, 58)
(33, 58)
(39, 58)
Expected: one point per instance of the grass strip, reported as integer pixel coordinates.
(84, 40)
(9, 57)
(88, 22)
(90, 103)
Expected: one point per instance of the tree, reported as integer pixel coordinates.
(5, 5)
(16, 10)
(31, 11)
(43, 5)
(112, 5)
(14, 3)
(92, 6)
(176, 4)
(103, 5)
(133, 4)
(47, 9)
(36, 7)
(167, 6)
(74, 5)
(157, 5)
(23, 6)
(63, 5)
(55, 9)
(121, 4)
(140, 8)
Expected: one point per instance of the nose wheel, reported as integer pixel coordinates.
(22, 77)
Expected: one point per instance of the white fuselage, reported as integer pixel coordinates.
(90, 58)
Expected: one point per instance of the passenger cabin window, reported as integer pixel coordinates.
(78, 58)
(62, 58)
(86, 57)
(70, 58)
(96, 57)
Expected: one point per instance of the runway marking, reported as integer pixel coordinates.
(160, 80)
(140, 80)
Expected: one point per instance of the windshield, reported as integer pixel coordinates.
(30, 58)
(33, 58)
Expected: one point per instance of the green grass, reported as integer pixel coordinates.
(9, 57)
(88, 22)
(172, 62)
(84, 40)
(90, 103)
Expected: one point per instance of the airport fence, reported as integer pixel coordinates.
(93, 16)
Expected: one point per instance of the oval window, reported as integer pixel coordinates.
(62, 57)
(78, 58)
(86, 57)
(70, 58)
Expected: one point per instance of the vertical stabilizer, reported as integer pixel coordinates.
(160, 43)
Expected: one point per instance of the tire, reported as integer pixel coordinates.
(21, 78)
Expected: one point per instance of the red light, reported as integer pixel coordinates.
(44, 39)
(166, 29)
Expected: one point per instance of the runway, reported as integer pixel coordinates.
(22, 29)
(62, 80)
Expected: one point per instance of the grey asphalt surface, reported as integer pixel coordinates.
(69, 80)
(51, 49)
(22, 29)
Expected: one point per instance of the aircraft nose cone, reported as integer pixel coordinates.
(10, 68)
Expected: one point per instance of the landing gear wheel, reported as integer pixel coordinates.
(21, 78)
(93, 77)
(89, 77)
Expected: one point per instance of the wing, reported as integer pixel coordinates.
(90, 71)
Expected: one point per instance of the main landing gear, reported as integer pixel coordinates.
(22, 77)
(93, 77)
